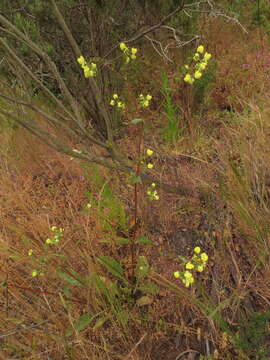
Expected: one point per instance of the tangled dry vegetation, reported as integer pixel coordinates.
(224, 167)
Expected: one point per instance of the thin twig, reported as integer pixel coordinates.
(151, 29)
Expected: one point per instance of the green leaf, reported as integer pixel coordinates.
(142, 268)
(48, 257)
(67, 292)
(136, 121)
(100, 322)
(113, 266)
(80, 324)
(135, 179)
(144, 300)
(123, 317)
(149, 288)
(143, 240)
(69, 278)
(122, 241)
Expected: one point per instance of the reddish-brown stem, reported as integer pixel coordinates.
(45, 293)
(138, 168)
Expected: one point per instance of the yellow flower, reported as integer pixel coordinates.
(53, 228)
(34, 273)
(81, 60)
(207, 56)
(197, 250)
(200, 268)
(153, 184)
(189, 266)
(202, 66)
(120, 105)
(149, 152)
(88, 206)
(200, 49)
(186, 67)
(148, 97)
(30, 252)
(197, 74)
(112, 102)
(123, 46)
(146, 103)
(150, 166)
(196, 57)
(133, 53)
(187, 275)
(115, 96)
(204, 257)
(188, 78)
(87, 71)
(176, 274)
(48, 241)
(188, 279)
(156, 197)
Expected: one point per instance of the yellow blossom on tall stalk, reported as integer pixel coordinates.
(204, 257)
(196, 57)
(123, 46)
(198, 64)
(197, 75)
(89, 70)
(129, 53)
(116, 101)
(200, 49)
(81, 60)
(207, 56)
(189, 79)
(197, 250)
(145, 100)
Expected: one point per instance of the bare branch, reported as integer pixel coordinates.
(151, 29)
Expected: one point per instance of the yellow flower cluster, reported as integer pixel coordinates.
(129, 53)
(149, 152)
(115, 101)
(199, 259)
(198, 263)
(152, 192)
(201, 59)
(89, 70)
(145, 100)
(58, 234)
